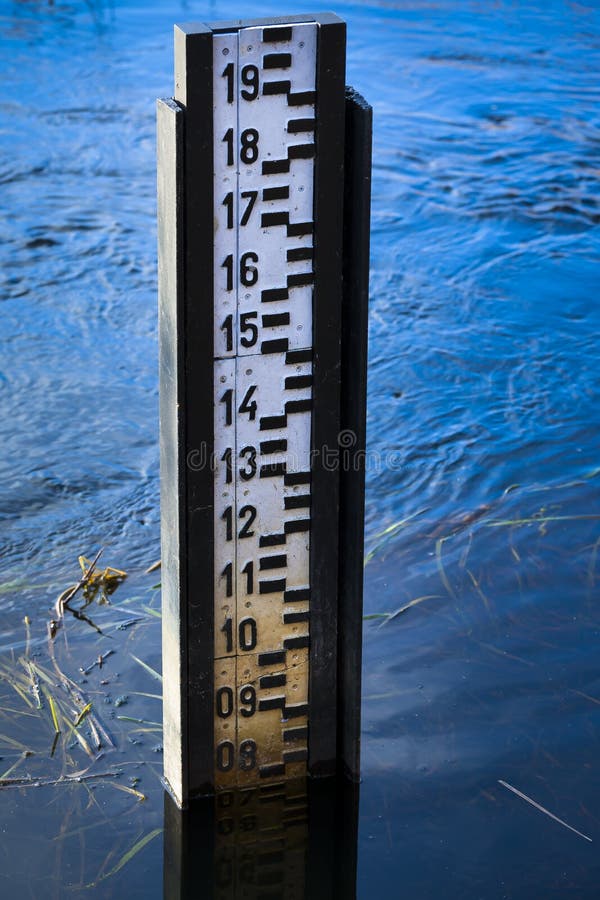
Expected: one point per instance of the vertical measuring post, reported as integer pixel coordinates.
(262, 313)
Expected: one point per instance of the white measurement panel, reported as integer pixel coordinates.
(264, 130)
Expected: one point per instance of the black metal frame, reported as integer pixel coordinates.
(327, 317)
(193, 90)
(353, 423)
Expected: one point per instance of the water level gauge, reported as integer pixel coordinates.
(264, 170)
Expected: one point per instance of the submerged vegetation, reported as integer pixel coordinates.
(523, 541)
(59, 725)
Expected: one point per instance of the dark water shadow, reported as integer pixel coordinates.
(291, 841)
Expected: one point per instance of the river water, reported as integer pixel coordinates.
(481, 665)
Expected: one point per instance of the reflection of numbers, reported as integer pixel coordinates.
(248, 823)
(224, 868)
(226, 826)
(225, 800)
(247, 866)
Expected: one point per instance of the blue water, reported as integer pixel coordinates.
(483, 487)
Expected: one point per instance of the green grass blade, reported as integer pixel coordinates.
(148, 668)
(440, 565)
(540, 520)
(81, 716)
(139, 845)
(10, 742)
(411, 603)
(53, 711)
(23, 756)
(138, 721)
(152, 612)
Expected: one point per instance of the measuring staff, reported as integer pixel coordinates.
(264, 177)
